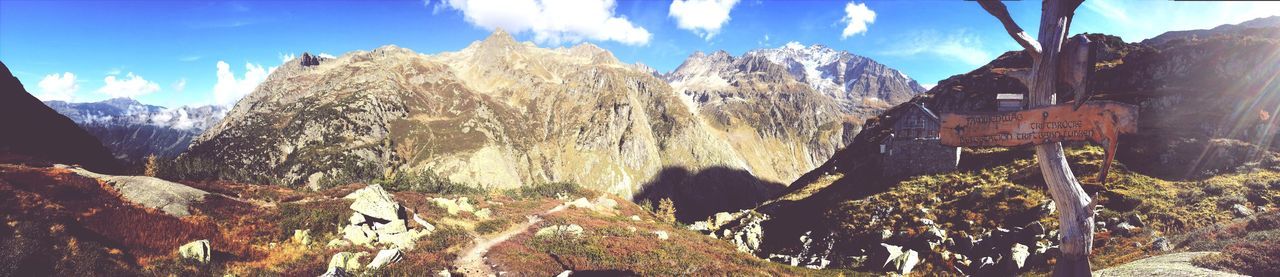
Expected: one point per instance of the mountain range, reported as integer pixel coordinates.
(133, 131)
(501, 113)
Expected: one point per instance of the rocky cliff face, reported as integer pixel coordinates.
(497, 114)
(35, 131)
(133, 130)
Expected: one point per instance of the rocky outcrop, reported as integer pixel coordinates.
(35, 131)
(171, 198)
(379, 220)
(308, 60)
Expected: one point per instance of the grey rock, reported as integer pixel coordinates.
(560, 230)
(1160, 244)
(1018, 255)
(1167, 265)
(171, 198)
(199, 251)
(373, 201)
(1241, 210)
(1136, 220)
(385, 257)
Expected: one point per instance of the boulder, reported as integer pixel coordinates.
(484, 214)
(1124, 229)
(881, 255)
(357, 219)
(637, 218)
(606, 203)
(404, 240)
(1241, 210)
(1160, 244)
(336, 272)
(1018, 255)
(582, 203)
(308, 60)
(357, 235)
(199, 251)
(386, 257)
(302, 237)
(345, 261)
(426, 226)
(905, 262)
(373, 201)
(394, 227)
(720, 219)
(662, 235)
(1136, 220)
(560, 230)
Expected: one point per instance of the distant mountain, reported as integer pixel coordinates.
(34, 131)
(133, 130)
(861, 86)
(1260, 24)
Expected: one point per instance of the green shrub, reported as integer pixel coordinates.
(444, 237)
(551, 190)
(426, 181)
(492, 226)
(319, 217)
(666, 210)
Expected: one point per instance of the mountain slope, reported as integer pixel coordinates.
(1205, 150)
(133, 130)
(497, 114)
(34, 130)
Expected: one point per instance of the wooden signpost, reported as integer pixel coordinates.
(1054, 67)
(1099, 122)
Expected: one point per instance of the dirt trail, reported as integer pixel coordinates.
(472, 261)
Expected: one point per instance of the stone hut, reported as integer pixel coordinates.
(914, 147)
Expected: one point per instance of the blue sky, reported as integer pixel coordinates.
(211, 52)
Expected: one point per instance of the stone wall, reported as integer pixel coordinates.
(909, 157)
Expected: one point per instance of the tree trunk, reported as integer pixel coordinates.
(1075, 216)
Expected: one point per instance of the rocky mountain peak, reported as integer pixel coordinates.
(122, 102)
(500, 39)
(308, 60)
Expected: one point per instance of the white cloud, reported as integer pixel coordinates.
(928, 86)
(327, 56)
(1108, 9)
(959, 45)
(130, 86)
(285, 58)
(180, 85)
(553, 21)
(858, 16)
(229, 89)
(188, 58)
(58, 87)
(702, 17)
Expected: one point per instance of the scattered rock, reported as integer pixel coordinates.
(606, 203)
(1136, 220)
(637, 218)
(1160, 244)
(444, 273)
(883, 254)
(426, 226)
(386, 257)
(560, 230)
(357, 235)
(302, 237)
(484, 214)
(394, 227)
(199, 251)
(662, 235)
(1124, 229)
(1018, 255)
(373, 201)
(905, 262)
(1241, 210)
(345, 261)
(720, 219)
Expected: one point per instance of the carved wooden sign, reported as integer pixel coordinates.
(1099, 122)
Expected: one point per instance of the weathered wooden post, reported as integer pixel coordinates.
(1075, 208)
